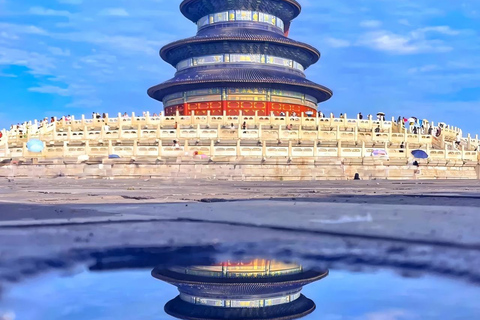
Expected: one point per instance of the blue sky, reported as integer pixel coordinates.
(403, 57)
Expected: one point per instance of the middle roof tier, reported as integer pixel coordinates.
(239, 40)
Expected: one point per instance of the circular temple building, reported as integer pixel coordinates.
(255, 290)
(241, 60)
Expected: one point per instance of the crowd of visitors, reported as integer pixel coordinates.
(413, 125)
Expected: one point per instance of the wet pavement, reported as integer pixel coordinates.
(81, 249)
(233, 289)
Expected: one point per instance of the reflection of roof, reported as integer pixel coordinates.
(228, 76)
(286, 10)
(237, 287)
(187, 311)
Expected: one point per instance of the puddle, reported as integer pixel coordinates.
(255, 288)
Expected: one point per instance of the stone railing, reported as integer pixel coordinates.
(222, 136)
(215, 151)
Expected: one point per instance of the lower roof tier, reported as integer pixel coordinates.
(239, 77)
(239, 40)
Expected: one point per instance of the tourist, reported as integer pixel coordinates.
(439, 132)
(458, 140)
(360, 116)
(342, 116)
(155, 115)
(294, 114)
(104, 115)
(282, 114)
(430, 130)
(320, 114)
(377, 130)
(402, 146)
(232, 126)
(175, 144)
(244, 125)
(175, 126)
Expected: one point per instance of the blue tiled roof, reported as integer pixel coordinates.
(287, 10)
(239, 77)
(212, 41)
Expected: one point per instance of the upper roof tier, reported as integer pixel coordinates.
(287, 10)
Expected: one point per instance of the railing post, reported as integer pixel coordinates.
(102, 132)
(87, 147)
(120, 131)
(24, 149)
(239, 150)
(110, 147)
(212, 149)
(65, 149)
(135, 148)
(160, 149)
(198, 133)
(264, 149)
(139, 131)
(339, 148)
(290, 149)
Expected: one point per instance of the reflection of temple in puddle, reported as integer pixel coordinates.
(260, 289)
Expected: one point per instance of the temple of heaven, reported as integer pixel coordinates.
(254, 290)
(240, 60)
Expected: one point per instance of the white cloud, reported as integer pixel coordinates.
(370, 23)
(337, 43)
(389, 315)
(117, 12)
(40, 11)
(7, 75)
(36, 62)
(423, 69)
(411, 43)
(59, 51)
(16, 29)
(439, 29)
(70, 1)
(85, 103)
(50, 90)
